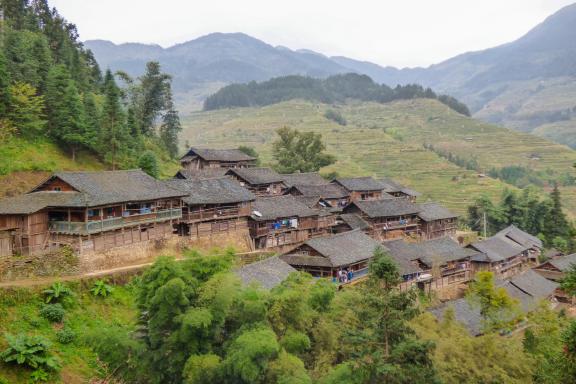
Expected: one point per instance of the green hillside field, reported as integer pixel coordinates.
(388, 140)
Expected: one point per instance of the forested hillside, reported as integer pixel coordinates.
(334, 89)
(54, 94)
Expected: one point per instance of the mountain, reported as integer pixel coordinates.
(528, 84)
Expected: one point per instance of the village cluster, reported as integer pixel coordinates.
(326, 228)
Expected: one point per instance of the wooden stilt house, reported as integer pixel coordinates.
(437, 221)
(260, 181)
(200, 158)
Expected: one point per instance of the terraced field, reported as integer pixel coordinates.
(377, 141)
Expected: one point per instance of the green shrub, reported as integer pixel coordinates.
(295, 342)
(53, 312)
(66, 335)
(57, 293)
(100, 288)
(335, 116)
(39, 375)
(30, 351)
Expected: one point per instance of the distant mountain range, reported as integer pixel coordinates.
(528, 84)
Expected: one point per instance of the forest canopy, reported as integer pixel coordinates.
(334, 89)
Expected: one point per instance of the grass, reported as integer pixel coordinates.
(19, 313)
(387, 140)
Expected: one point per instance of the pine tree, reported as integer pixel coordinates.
(170, 129)
(4, 86)
(27, 110)
(557, 224)
(73, 129)
(92, 121)
(56, 108)
(114, 137)
(153, 90)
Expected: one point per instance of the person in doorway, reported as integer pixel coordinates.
(350, 275)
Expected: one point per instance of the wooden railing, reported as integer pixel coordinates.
(261, 231)
(212, 213)
(83, 228)
(396, 224)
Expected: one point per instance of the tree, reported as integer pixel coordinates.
(557, 224)
(26, 110)
(496, 307)
(170, 129)
(568, 283)
(72, 132)
(297, 151)
(154, 88)
(149, 164)
(57, 85)
(4, 85)
(250, 151)
(113, 136)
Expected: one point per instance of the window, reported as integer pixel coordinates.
(57, 189)
(93, 213)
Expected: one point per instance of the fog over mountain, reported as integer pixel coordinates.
(528, 84)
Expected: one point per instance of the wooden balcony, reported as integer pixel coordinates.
(91, 227)
(391, 225)
(211, 214)
(263, 231)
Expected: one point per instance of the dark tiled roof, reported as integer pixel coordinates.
(391, 186)
(438, 251)
(219, 154)
(269, 272)
(529, 288)
(343, 248)
(326, 191)
(103, 188)
(305, 260)
(521, 237)
(360, 184)
(354, 221)
(563, 263)
(305, 178)
(198, 174)
(464, 312)
(435, 211)
(278, 207)
(34, 202)
(404, 262)
(499, 248)
(256, 176)
(387, 207)
(212, 191)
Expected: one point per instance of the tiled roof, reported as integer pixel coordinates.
(499, 248)
(326, 191)
(437, 251)
(219, 154)
(269, 272)
(434, 211)
(387, 207)
(304, 178)
(343, 248)
(306, 260)
(211, 191)
(95, 189)
(277, 207)
(529, 288)
(256, 176)
(360, 184)
(391, 186)
(464, 312)
(521, 237)
(198, 174)
(563, 263)
(354, 221)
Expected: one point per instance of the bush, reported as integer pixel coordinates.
(39, 375)
(53, 312)
(57, 293)
(66, 335)
(295, 342)
(148, 162)
(100, 288)
(30, 351)
(335, 116)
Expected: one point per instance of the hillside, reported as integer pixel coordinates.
(528, 85)
(388, 140)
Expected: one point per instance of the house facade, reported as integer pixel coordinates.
(333, 194)
(200, 158)
(437, 221)
(362, 188)
(89, 212)
(213, 207)
(389, 219)
(260, 181)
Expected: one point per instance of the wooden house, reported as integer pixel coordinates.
(555, 269)
(267, 273)
(333, 194)
(325, 256)
(260, 181)
(213, 206)
(200, 158)
(501, 255)
(362, 188)
(349, 222)
(90, 212)
(442, 259)
(398, 190)
(278, 222)
(200, 174)
(388, 218)
(437, 221)
(532, 243)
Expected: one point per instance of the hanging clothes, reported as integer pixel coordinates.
(294, 223)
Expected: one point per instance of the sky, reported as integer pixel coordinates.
(400, 33)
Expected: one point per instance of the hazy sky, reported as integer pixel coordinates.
(388, 32)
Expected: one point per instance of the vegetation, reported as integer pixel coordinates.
(250, 151)
(52, 88)
(101, 288)
(337, 88)
(297, 151)
(544, 218)
(335, 116)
